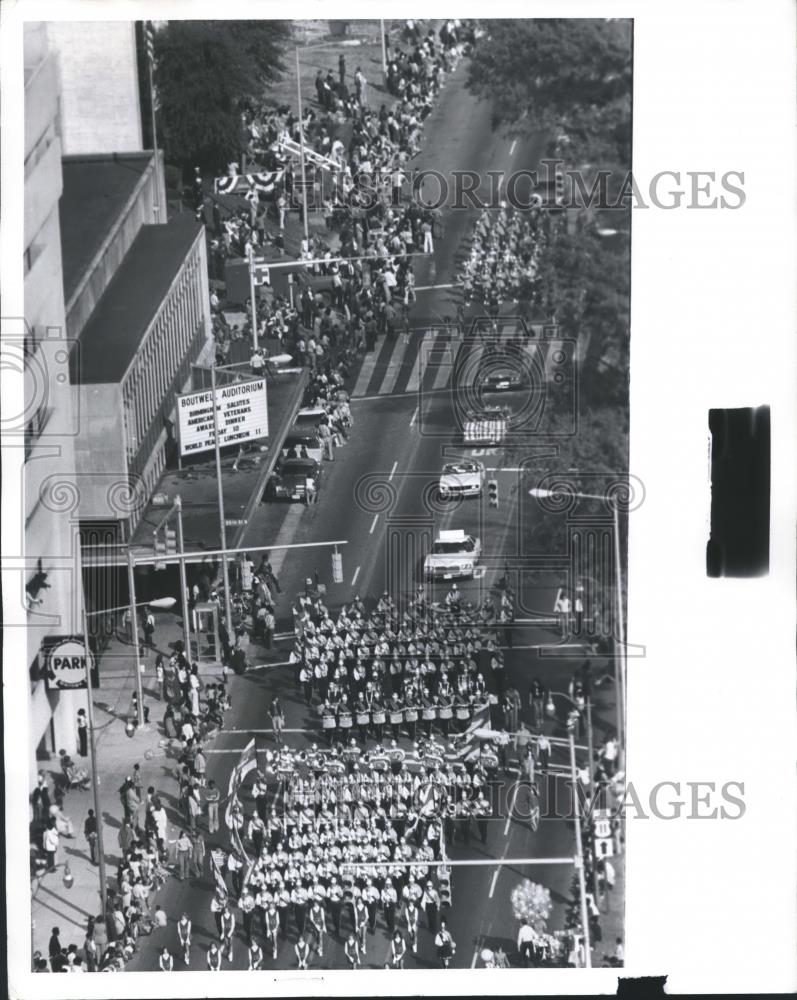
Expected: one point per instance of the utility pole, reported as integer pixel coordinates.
(222, 526)
(95, 780)
(253, 304)
(582, 887)
(301, 143)
(178, 506)
(619, 642)
(131, 586)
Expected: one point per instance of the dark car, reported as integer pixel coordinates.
(289, 480)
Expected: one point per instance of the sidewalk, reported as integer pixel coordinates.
(53, 904)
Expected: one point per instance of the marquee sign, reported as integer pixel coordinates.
(242, 416)
(65, 661)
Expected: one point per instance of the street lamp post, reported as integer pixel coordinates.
(582, 886)
(222, 525)
(619, 639)
(94, 775)
(131, 587)
(178, 506)
(301, 143)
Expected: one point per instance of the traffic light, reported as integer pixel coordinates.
(337, 567)
(492, 492)
(160, 550)
(170, 540)
(560, 188)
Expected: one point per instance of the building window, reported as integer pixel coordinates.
(31, 255)
(35, 427)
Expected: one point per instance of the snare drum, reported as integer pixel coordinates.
(328, 722)
(363, 718)
(463, 712)
(396, 718)
(379, 718)
(410, 715)
(429, 714)
(446, 712)
(344, 720)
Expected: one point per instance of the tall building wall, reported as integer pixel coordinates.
(100, 107)
(51, 418)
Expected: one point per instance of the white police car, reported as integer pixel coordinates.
(454, 554)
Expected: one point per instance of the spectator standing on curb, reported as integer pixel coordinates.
(198, 854)
(50, 841)
(184, 847)
(212, 797)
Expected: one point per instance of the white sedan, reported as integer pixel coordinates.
(464, 478)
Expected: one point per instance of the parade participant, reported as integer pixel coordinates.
(184, 936)
(277, 719)
(360, 920)
(166, 962)
(214, 958)
(335, 902)
(227, 931)
(352, 952)
(217, 905)
(445, 945)
(389, 899)
(302, 949)
(398, 949)
(255, 957)
(271, 926)
(319, 924)
(411, 917)
(247, 905)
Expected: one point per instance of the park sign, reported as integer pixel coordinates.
(65, 663)
(242, 409)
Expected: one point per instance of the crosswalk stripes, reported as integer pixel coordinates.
(430, 358)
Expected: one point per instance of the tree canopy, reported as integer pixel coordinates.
(206, 73)
(570, 74)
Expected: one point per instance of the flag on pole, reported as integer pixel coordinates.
(469, 741)
(246, 763)
(217, 861)
(149, 41)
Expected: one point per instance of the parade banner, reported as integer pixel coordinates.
(241, 183)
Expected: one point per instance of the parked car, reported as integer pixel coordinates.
(289, 479)
(306, 440)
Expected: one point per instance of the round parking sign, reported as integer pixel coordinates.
(65, 667)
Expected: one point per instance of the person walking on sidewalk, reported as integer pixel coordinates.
(90, 832)
(165, 961)
(149, 629)
(82, 733)
(50, 841)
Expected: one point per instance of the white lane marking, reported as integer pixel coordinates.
(493, 883)
(394, 368)
(393, 470)
(367, 371)
(444, 369)
(394, 395)
(511, 810)
(414, 383)
(414, 417)
(507, 468)
(356, 574)
(512, 147)
(373, 524)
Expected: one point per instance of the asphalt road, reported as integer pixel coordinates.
(378, 494)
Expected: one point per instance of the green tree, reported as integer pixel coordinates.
(560, 75)
(207, 72)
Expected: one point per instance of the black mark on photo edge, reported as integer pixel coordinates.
(740, 478)
(642, 987)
